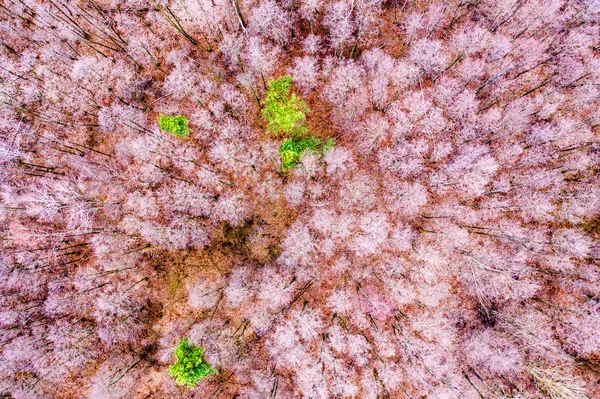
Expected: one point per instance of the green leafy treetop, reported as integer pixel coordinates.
(292, 149)
(283, 111)
(190, 366)
(176, 125)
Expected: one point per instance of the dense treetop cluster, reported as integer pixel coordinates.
(174, 213)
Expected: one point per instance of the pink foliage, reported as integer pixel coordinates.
(446, 246)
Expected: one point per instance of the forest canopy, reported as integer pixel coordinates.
(300, 199)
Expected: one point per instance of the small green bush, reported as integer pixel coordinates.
(190, 366)
(176, 125)
(292, 149)
(283, 111)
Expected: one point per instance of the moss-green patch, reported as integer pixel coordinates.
(176, 125)
(291, 150)
(283, 111)
(191, 366)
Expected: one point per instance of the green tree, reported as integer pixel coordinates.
(292, 149)
(190, 366)
(283, 111)
(176, 125)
